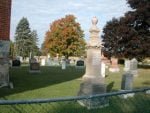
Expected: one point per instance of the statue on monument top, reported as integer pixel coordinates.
(94, 34)
(94, 20)
(94, 28)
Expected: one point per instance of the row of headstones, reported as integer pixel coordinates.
(35, 66)
(130, 66)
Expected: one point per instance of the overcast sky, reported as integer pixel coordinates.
(40, 13)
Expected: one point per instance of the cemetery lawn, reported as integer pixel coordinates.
(53, 82)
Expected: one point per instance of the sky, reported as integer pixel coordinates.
(41, 13)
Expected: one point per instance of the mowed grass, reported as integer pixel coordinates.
(54, 82)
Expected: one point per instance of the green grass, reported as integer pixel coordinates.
(138, 104)
(54, 82)
(51, 82)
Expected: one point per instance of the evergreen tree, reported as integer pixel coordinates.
(25, 40)
(65, 37)
(34, 46)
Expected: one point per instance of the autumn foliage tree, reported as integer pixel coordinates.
(65, 37)
(129, 36)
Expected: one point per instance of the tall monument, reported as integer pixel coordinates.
(93, 81)
(5, 12)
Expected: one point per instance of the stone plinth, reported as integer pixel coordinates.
(92, 81)
(92, 86)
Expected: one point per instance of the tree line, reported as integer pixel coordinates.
(124, 37)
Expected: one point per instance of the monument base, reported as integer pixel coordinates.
(92, 86)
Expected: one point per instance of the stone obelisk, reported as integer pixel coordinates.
(92, 81)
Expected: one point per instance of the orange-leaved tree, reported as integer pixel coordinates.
(65, 37)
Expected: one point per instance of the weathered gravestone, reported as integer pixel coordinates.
(34, 66)
(127, 65)
(127, 84)
(63, 63)
(80, 64)
(48, 60)
(127, 81)
(43, 62)
(93, 82)
(133, 65)
(16, 63)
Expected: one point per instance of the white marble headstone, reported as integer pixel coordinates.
(43, 61)
(103, 67)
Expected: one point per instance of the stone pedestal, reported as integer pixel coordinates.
(93, 82)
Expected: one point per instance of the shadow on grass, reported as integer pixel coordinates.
(24, 81)
(146, 83)
(144, 66)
